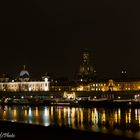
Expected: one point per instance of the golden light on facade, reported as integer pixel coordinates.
(103, 89)
(80, 88)
(15, 86)
(25, 86)
(69, 95)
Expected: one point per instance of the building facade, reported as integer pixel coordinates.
(24, 83)
(110, 85)
(85, 81)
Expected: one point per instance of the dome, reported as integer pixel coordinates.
(23, 73)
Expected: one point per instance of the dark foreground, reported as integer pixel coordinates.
(28, 131)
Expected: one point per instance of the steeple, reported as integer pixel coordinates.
(86, 71)
(85, 57)
(24, 67)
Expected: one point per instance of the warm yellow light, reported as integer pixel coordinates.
(103, 117)
(4, 115)
(103, 89)
(30, 88)
(73, 117)
(69, 95)
(81, 88)
(15, 114)
(25, 113)
(36, 112)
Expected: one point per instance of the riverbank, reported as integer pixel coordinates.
(82, 99)
(81, 103)
(29, 131)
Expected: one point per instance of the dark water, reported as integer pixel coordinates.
(118, 121)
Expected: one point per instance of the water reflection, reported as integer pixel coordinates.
(118, 121)
(46, 117)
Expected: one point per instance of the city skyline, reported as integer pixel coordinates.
(84, 70)
(70, 69)
(50, 36)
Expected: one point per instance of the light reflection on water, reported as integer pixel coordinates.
(117, 121)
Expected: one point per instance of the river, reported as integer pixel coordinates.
(118, 121)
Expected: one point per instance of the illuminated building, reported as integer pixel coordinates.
(86, 81)
(111, 85)
(24, 83)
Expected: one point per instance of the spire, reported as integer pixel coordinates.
(85, 59)
(24, 67)
(85, 50)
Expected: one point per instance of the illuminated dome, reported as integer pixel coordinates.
(24, 73)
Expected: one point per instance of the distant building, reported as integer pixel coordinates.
(109, 85)
(23, 83)
(86, 71)
(4, 78)
(61, 84)
(86, 81)
(124, 74)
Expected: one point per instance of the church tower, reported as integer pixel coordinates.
(86, 70)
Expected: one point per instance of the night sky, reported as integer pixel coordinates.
(50, 35)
